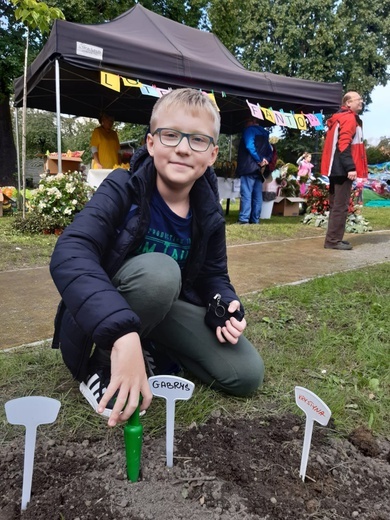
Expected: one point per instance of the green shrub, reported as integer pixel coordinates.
(35, 222)
(57, 200)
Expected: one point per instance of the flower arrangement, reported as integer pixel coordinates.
(288, 186)
(317, 197)
(226, 169)
(317, 212)
(58, 198)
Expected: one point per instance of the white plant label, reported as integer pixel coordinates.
(315, 410)
(30, 411)
(172, 389)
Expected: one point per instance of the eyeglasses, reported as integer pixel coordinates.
(197, 142)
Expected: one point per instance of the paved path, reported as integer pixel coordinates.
(27, 308)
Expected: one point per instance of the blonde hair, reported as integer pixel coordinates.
(191, 99)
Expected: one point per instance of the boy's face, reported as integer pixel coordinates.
(179, 166)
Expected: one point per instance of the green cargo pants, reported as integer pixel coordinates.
(151, 285)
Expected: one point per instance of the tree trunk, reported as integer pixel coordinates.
(8, 169)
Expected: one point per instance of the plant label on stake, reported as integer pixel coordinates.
(171, 388)
(315, 410)
(31, 411)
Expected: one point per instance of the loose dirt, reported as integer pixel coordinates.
(227, 469)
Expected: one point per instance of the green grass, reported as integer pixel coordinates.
(279, 228)
(329, 335)
(21, 250)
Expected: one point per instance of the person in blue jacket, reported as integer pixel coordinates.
(254, 155)
(143, 269)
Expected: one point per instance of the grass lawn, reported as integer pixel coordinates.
(329, 335)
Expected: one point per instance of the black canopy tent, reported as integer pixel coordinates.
(144, 46)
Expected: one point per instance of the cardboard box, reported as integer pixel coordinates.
(287, 206)
(68, 164)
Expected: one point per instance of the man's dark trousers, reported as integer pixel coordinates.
(339, 196)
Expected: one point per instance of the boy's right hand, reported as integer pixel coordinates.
(128, 376)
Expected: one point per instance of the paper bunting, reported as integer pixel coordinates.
(131, 83)
(111, 81)
(268, 114)
(301, 121)
(212, 97)
(290, 120)
(320, 118)
(277, 117)
(255, 110)
(312, 119)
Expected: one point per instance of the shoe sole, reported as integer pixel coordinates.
(92, 400)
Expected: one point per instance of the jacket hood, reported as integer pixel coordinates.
(338, 116)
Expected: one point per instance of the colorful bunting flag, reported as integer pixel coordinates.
(111, 81)
(255, 110)
(277, 117)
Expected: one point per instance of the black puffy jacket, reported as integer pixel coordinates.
(94, 246)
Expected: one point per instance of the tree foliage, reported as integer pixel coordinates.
(345, 41)
(380, 153)
(324, 40)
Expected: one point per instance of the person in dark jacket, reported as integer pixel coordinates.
(343, 161)
(145, 263)
(254, 155)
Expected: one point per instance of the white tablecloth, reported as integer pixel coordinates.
(96, 177)
(228, 188)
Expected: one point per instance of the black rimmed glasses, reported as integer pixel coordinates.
(197, 142)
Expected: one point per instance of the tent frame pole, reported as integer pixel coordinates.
(58, 111)
(18, 157)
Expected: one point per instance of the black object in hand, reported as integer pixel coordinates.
(217, 313)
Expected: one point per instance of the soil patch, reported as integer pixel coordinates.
(226, 469)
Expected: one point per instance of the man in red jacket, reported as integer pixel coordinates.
(343, 161)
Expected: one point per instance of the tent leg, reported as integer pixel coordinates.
(58, 110)
(18, 158)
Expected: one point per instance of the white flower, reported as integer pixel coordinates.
(69, 187)
(74, 202)
(54, 191)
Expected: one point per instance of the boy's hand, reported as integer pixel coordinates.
(128, 376)
(233, 328)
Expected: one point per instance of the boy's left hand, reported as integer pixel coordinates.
(233, 328)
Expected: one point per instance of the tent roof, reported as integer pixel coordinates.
(145, 46)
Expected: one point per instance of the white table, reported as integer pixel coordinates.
(96, 177)
(228, 189)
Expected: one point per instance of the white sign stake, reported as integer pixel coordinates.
(315, 410)
(31, 411)
(171, 388)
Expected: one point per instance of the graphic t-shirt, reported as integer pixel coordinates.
(168, 233)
